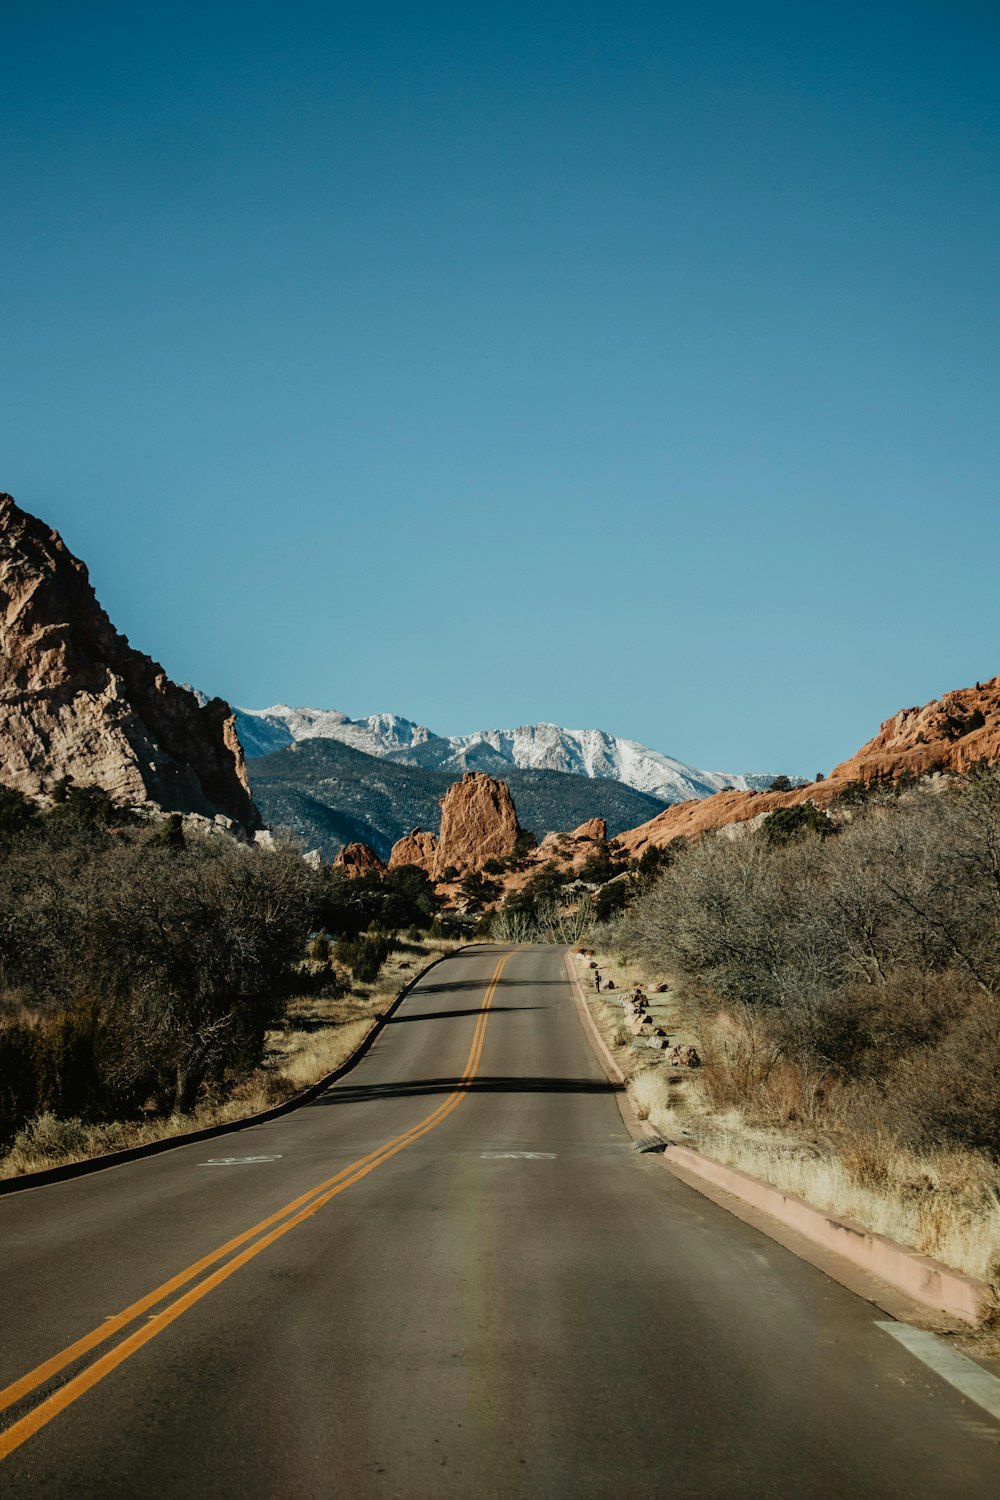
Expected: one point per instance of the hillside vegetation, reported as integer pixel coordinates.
(330, 795)
(842, 969)
(860, 957)
(151, 976)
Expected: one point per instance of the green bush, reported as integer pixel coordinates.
(169, 834)
(601, 865)
(477, 889)
(17, 812)
(611, 900)
(365, 955)
(788, 823)
(20, 1069)
(319, 948)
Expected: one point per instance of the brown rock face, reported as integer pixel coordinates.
(76, 700)
(416, 848)
(594, 828)
(358, 859)
(952, 733)
(478, 822)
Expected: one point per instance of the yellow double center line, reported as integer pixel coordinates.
(254, 1240)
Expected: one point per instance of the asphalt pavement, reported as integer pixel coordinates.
(451, 1274)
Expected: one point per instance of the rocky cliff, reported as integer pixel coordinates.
(76, 700)
(478, 822)
(952, 733)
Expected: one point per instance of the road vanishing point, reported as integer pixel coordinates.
(451, 1274)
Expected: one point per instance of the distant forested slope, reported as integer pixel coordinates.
(330, 795)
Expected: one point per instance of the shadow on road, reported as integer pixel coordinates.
(340, 1095)
(478, 985)
(449, 1015)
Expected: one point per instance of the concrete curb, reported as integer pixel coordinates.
(170, 1142)
(638, 1129)
(917, 1276)
(612, 1069)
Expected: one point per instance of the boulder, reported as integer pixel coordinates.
(416, 848)
(684, 1056)
(594, 828)
(357, 860)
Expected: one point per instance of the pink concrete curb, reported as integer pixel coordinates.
(612, 1069)
(921, 1278)
(639, 1130)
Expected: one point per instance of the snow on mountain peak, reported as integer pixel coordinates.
(544, 747)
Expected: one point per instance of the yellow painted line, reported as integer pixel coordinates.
(307, 1204)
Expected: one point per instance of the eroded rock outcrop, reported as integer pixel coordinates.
(953, 733)
(357, 860)
(76, 700)
(594, 828)
(478, 822)
(416, 848)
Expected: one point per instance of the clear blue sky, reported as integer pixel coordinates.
(632, 365)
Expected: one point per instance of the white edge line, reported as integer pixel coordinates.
(958, 1370)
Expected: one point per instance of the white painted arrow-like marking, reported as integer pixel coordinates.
(519, 1155)
(236, 1161)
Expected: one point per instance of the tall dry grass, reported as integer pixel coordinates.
(753, 1109)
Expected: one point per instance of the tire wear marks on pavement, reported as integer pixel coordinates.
(255, 1240)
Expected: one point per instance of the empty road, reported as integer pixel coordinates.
(450, 1275)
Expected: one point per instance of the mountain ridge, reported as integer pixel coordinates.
(952, 734)
(330, 794)
(591, 754)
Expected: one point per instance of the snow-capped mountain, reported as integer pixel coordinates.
(544, 747)
(264, 730)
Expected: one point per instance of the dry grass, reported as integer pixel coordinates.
(312, 1055)
(660, 1095)
(769, 1119)
(319, 1034)
(944, 1204)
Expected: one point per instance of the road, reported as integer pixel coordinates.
(501, 1299)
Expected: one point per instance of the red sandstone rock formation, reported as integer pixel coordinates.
(594, 828)
(76, 700)
(358, 859)
(478, 822)
(952, 733)
(416, 848)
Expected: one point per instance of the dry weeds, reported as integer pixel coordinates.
(319, 1035)
(767, 1118)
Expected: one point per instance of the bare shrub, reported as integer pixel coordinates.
(950, 1093)
(153, 970)
(867, 955)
